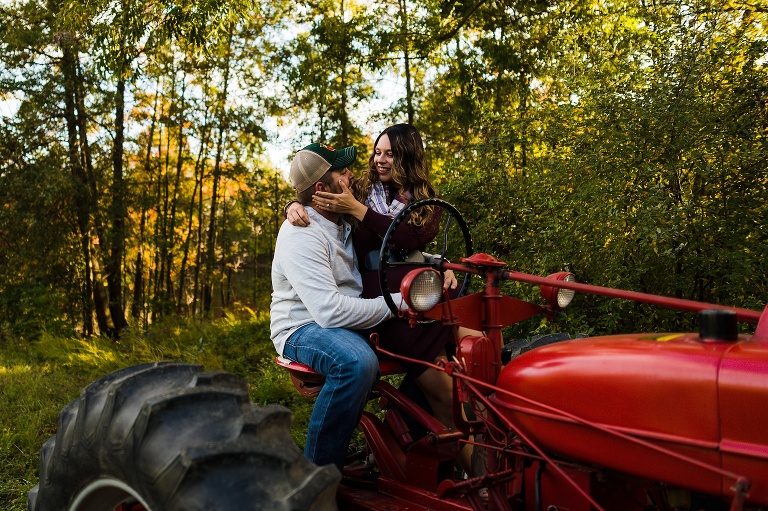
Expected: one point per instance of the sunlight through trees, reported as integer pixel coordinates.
(625, 141)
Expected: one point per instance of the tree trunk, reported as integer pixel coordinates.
(82, 200)
(345, 128)
(117, 237)
(169, 295)
(199, 252)
(210, 245)
(210, 249)
(137, 307)
(406, 59)
(97, 228)
(199, 171)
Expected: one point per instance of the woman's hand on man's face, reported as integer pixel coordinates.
(344, 202)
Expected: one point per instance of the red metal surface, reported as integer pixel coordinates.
(743, 413)
(394, 496)
(483, 260)
(477, 358)
(662, 389)
(509, 311)
(612, 492)
(761, 332)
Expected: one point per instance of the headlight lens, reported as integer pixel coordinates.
(557, 297)
(422, 289)
(564, 296)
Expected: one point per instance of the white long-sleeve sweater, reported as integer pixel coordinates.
(315, 278)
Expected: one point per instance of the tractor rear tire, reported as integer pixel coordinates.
(169, 436)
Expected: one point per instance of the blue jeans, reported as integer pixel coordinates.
(350, 368)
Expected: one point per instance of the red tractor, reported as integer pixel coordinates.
(664, 421)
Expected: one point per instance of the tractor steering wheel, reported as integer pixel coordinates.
(385, 252)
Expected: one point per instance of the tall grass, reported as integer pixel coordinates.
(38, 378)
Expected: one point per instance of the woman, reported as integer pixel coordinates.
(397, 174)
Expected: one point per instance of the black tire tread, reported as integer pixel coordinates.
(183, 439)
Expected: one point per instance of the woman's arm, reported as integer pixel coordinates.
(407, 236)
(296, 214)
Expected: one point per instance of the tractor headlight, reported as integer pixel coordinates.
(422, 289)
(558, 297)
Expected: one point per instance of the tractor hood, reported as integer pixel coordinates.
(599, 400)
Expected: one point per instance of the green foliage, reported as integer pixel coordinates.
(646, 170)
(29, 308)
(623, 141)
(39, 377)
(38, 284)
(322, 69)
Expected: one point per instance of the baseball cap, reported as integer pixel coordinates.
(312, 162)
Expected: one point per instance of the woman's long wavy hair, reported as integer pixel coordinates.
(410, 171)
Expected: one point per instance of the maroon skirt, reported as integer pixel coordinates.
(423, 343)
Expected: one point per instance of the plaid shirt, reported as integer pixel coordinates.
(378, 200)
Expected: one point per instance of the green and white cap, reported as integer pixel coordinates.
(312, 162)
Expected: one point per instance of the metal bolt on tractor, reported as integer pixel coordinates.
(666, 421)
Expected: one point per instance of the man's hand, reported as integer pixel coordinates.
(297, 215)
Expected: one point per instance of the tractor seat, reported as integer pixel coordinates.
(308, 382)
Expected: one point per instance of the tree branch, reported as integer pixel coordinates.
(461, 24)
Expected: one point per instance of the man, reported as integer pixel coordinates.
(316, 302)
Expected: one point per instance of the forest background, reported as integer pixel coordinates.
(625, 141)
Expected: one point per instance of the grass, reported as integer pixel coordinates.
(37, 379)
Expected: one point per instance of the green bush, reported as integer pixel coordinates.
(29, 309)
